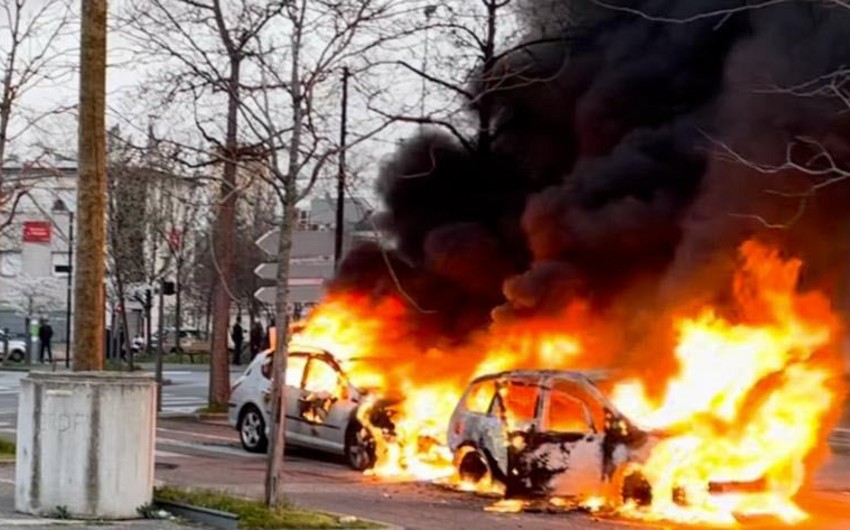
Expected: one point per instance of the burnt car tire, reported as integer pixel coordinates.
(474, 466)
(359, 447)
(637, 489)
(252, 430)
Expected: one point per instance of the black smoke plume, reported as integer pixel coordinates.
(612, 179)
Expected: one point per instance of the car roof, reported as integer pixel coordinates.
(568, 375)
(583, 378)
(295, 347)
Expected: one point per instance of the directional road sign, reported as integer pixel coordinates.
(297, 293)
(325, 271)
(305, 243)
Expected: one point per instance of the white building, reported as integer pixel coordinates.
(34, 243)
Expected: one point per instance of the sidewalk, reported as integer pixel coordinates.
(10, 519)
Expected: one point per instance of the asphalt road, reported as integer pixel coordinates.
(208, 455)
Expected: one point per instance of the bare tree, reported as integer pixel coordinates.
(152, 207)
(30, 56)
(206, 44)
(468, 55)
(32, 296)
(291, 117)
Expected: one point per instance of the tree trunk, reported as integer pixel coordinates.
(485, 103)
(90, 266)
(148, 323)
(178, 300)
(274, 469)
(123, 345)
(224, 241)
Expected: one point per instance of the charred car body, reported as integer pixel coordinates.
(545, 433)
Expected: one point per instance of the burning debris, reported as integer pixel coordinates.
(601, 230)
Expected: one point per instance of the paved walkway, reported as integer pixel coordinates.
(10, 519)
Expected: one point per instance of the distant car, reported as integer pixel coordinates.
(17, 348)
(321, 407)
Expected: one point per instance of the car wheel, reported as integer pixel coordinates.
(16, 356)
(252, 430)
(359, 447)
(637, 490)
(472, 466)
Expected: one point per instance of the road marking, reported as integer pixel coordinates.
(200, 435)
(168, 442)
(5, 523)
(161, 454)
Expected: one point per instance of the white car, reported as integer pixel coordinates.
(17, 348)
(321, 407)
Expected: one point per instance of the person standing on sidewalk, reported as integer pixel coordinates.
(45, 335)
(237, 335)
(256, 338)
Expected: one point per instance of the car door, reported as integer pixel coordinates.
(516, 407)
(566, 454)
(295, 369)
(325, 405)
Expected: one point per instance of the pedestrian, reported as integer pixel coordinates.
(237, 335)
(256, 338)
(45, 335)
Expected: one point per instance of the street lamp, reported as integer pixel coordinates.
(60, 207)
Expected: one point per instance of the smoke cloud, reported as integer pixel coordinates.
(610, 179)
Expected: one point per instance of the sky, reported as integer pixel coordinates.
(130, 98)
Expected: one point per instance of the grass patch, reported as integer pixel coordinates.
(254, 515)
(216, 408)
(7, 448)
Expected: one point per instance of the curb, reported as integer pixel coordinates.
(184, 416)
(23, 522)
(228, 520)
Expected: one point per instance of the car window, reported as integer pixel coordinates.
(480, 396)
(516, 405)
(295, 365)
(566, 414)
(322, 377)
(580, 392)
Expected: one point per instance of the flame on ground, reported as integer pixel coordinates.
(750, 403)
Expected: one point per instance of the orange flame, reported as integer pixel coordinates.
(751, 400)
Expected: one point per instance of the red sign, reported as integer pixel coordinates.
(37, 231)
(175, 239)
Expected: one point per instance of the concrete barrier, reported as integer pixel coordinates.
(85, 444)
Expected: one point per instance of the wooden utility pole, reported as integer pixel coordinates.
(90, 266)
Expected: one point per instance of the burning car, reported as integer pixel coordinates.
(553, 433)
(321, 406)
(543, 433)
